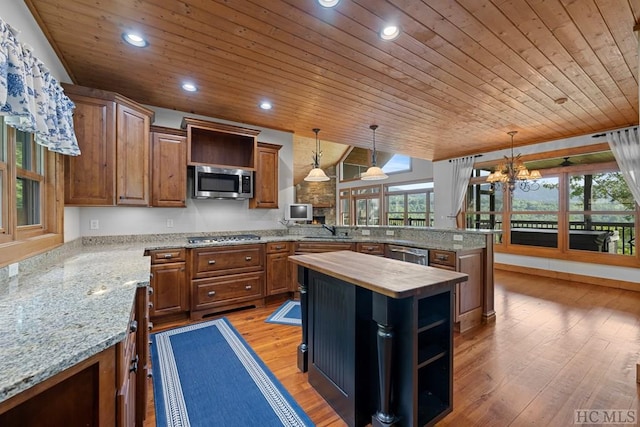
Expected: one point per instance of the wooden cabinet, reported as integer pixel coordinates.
(217, 144)
(170, 297)
(226, 277)
(168, 167)
(106, 389)
(265, 184)
(469, 294)
(113, 136)
(277, 268)
(370, 248)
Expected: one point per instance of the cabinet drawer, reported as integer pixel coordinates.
(208, 262)
(162, 256)
(275, 247)
(444, 259)
(312, 247)
(370, 248)
(127, 353)
(217, 291)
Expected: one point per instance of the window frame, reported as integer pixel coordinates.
(502, 243)
(20, 242)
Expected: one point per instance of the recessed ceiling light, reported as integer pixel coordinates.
(328, 3)
(390, 32)
(135, 39)
(265, 105)
(189, 87)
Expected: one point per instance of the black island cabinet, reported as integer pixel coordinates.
(377, 338)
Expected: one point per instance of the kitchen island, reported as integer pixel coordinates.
(377, 337)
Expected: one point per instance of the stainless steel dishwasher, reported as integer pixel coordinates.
(404, 253)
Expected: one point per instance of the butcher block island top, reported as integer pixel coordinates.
(393, 278)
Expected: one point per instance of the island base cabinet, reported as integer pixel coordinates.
(377, 359)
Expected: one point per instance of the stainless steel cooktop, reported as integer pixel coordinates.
(227, 238)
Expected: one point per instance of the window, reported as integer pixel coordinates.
(29, 174)
(582, 211)
(366, 201)
(359, 159)
(409, 204)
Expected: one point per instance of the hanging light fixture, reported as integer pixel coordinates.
(316, 174)
(374, 172)
(514, 173)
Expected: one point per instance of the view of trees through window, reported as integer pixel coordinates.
(600, 212)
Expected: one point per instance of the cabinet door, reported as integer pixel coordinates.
(266, 178)
(89, 178)
(470, 295)
(169, 289)
(277, 273)
(132, 157)
(168, 170)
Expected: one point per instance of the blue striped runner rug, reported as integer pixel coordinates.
(206, 374)
(287, 314)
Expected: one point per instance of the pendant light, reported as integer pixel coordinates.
(374, 172)
(316, 174)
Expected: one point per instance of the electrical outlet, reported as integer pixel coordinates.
(13, 269)
(457, 237)
(366, 232)
(169, 223)
(390, 232)
(95, 224)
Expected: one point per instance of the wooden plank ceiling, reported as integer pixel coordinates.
(460, 75)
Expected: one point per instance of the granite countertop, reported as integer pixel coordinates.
(66, 312)
(393, 278)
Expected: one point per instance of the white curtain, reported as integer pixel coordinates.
(625, 146)
(31, 98)
(461, 171)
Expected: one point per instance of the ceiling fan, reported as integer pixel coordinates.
(566, 162)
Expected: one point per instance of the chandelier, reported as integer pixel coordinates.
(316, 174)
(374, 173)
(512, 172)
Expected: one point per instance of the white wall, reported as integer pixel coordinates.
(199, 215)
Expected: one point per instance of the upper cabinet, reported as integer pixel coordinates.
(168, 167)
(265, 191)
(221, 145)
(113, 135)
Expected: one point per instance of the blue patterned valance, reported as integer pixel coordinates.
(32, 99)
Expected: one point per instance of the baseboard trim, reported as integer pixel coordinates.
(600, 281)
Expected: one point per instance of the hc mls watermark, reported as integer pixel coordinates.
(605, 416)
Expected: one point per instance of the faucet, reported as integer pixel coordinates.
(331, 228)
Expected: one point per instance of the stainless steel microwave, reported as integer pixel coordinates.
(220, 183)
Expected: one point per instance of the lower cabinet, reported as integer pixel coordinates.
(469, 294)
(107, 389)
(226, 277)
(170, 298)
(277, 268)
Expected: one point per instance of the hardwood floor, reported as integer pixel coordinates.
(556, 346)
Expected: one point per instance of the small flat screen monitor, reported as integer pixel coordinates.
(298, 212)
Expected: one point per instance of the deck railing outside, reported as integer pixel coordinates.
(626, 230)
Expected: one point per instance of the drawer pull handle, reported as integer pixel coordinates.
(133, 326)
(369, 248)
(150, 289)
(134, 364)
(150, 305)
(247, 258)
(211, 293)
(248, 287)
(279, 247)
(168, 256)
(211, 261)
(150, 327)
